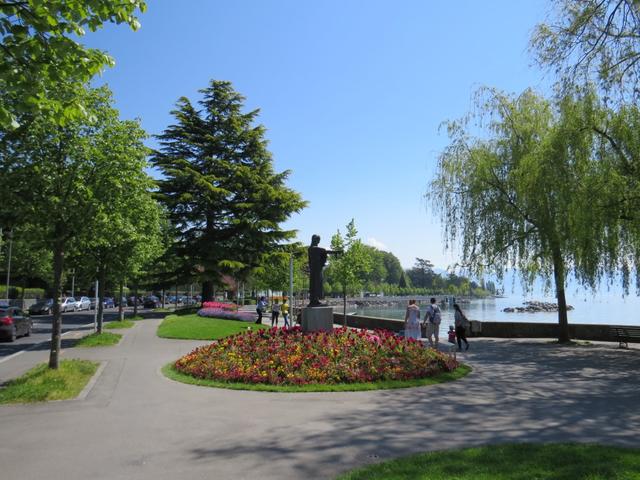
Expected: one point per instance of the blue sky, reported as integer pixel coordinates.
(352, 93)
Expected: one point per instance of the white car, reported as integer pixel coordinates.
(83, 304)
(68, 304)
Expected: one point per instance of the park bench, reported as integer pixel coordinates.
(624, 335)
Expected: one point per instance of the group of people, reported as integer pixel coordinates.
(276, 309)
(432, 320)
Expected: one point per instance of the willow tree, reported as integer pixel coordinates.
(593, 41)
(523, 192)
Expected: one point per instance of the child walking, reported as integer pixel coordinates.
(461, 322)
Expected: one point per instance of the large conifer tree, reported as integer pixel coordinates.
(219, 186)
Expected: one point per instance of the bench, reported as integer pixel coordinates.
(624, 335)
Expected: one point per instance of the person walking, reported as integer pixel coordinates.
(260, 308)
(412, 321)
(432, 319)
(275, 313)
(285, 312)
(461, 322)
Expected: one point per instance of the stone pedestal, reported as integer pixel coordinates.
(317, 319)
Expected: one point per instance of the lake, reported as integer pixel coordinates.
(600, 309)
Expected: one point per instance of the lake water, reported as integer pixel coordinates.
(601, 309)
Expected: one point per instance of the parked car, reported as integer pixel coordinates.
(92, 301)
(42, 307)
(108, 302)
(152, 302)
(13, 323)
(68, 304)
(122, 300)
(83, 304)
(131, 301)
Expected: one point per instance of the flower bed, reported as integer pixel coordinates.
(290, 357)
(220, 306)
(226, 314)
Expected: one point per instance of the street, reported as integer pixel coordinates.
(41, 332)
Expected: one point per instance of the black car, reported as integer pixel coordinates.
(152, 302)
(42, 307)
(13, 323)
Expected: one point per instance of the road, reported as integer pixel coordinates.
(41, 332)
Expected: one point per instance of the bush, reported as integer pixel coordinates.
(291, 357)
(220, 305)
(16, 292)
(226, 314)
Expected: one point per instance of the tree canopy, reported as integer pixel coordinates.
(219, 186)
(593, 40)
(533, 193)
(39, 54)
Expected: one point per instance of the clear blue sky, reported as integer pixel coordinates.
(352, 93)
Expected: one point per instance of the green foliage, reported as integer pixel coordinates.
(533, 194)
(41, 384)
(220, 190)
(354, 263)
(40, 57)
(593, 40)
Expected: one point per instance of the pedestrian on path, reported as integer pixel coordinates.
(432, 320)
(285, 312)
(412, 321)
(275, 313)
(260, 308)
(462, 322)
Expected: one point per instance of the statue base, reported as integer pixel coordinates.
(315, 319)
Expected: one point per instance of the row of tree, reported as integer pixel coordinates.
(80, 198)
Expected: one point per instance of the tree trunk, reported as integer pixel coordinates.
(207, 291)
(176, 304)
(56, 326)
(102, 275)
(344, 307)
(135, 299)
(120, 306)
(559, 277)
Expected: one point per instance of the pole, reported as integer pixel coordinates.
(290, 278)
(73, 282)
(95, 313)
(10, 235)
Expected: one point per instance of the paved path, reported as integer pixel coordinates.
(136, 424)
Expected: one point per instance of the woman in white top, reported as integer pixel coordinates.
(412, 321)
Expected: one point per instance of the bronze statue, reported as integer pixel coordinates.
(317, 260)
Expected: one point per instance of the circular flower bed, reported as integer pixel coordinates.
(290, 357)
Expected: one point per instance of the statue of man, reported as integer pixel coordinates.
(317, 260)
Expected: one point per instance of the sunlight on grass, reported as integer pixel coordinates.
(42, 383)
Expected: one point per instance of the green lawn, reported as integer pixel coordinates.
(41, 383)
(135, 318)
(99, 340)
(511, 462)
(193, 327)
(124, 324)
(170, 372)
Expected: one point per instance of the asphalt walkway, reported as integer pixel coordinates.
(136, 424)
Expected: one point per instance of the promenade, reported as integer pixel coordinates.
(136, 424)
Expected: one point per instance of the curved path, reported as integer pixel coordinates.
(136, 424)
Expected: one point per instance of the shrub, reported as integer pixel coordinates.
(291, 357)
(220, 305)
(226, 314)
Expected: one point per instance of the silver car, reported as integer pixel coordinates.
(68, 304)
(83, 304)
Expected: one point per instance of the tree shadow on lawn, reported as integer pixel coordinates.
(518, 392)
